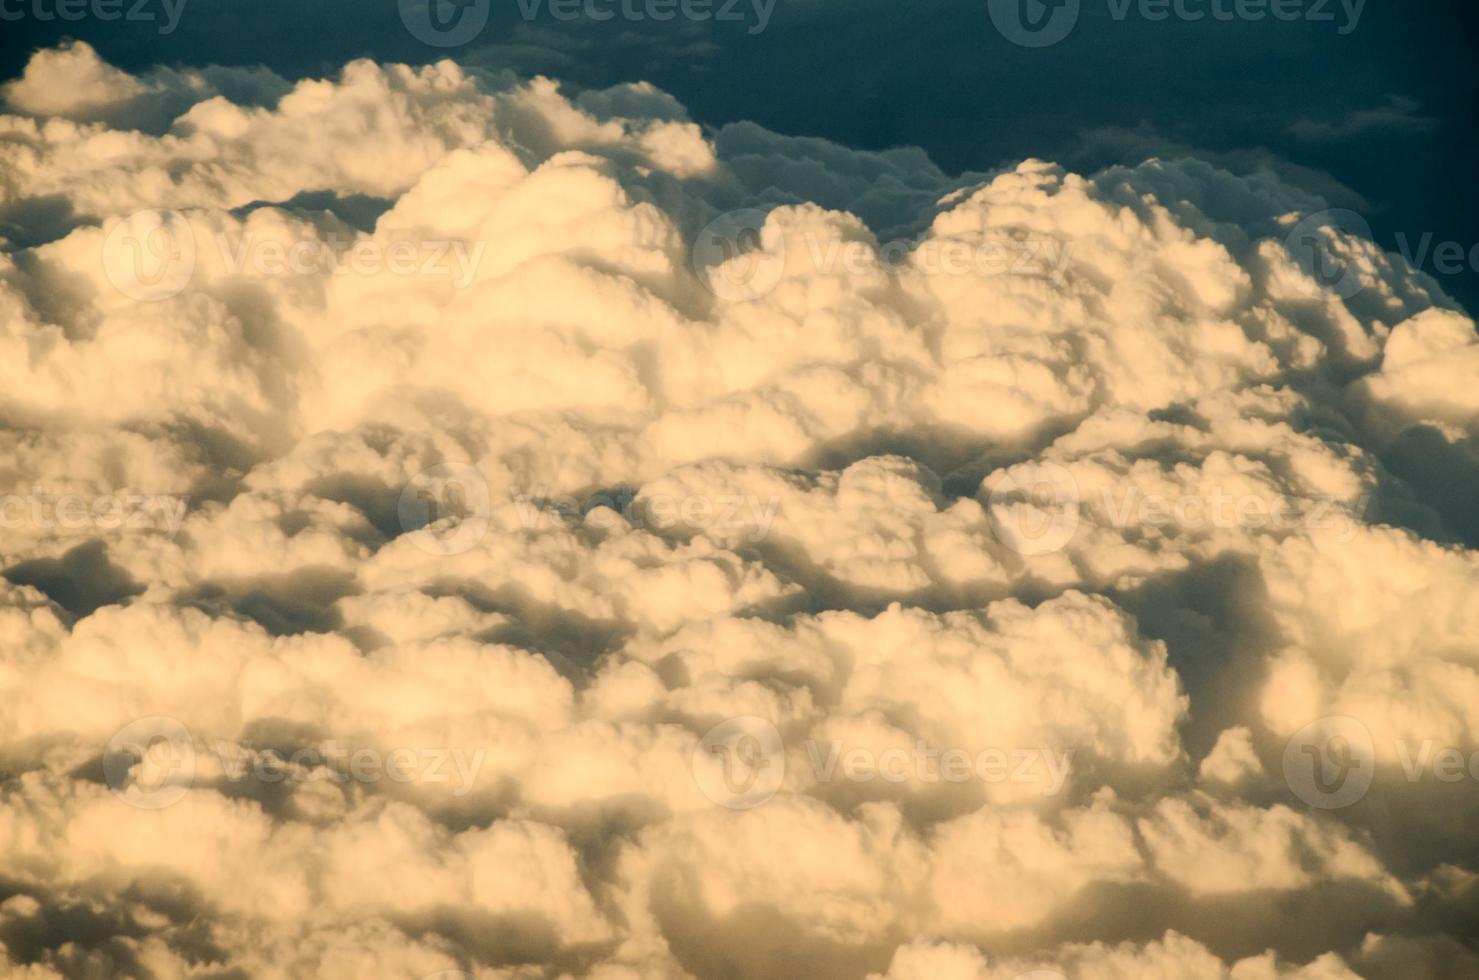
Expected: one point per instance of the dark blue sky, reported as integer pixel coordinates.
(1388, 110)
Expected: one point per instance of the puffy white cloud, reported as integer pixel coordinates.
(1423, 369)
(69, 81)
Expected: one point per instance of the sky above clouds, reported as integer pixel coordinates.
(854, 499)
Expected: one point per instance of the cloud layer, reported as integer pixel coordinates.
(455, 525)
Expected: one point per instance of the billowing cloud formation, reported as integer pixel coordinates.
(454, 526)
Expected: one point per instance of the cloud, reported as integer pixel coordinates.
(450, 525)
(1173, 955)
(72, 82)
(1399, 116)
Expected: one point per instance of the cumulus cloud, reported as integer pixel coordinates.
(453, 526)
